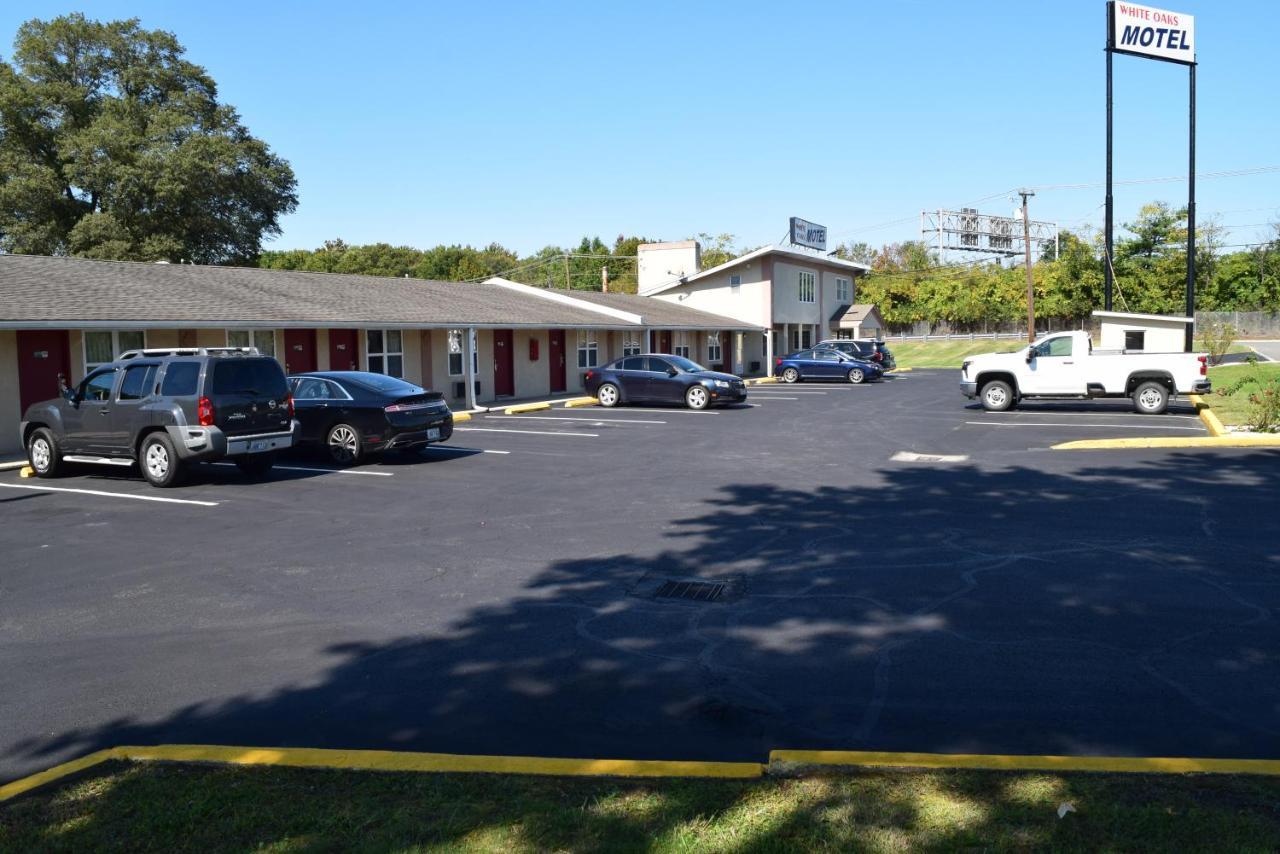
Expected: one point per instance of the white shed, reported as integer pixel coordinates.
(1153, 333)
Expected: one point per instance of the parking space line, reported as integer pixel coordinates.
(110, 494)
(322, 471)
(1098, 426)
(589, 420)
(784, 391)
(460, 449)
(776, 398)
(528, 432)
(672, 411)
(992, 416)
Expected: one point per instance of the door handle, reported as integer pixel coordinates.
(104, 411)
(1068, 362)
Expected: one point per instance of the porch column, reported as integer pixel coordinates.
(468, 367)
(768, 352)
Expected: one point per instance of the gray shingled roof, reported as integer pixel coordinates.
(77, 291)
(663, 314)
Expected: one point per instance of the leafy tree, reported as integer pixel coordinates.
(112, 145)
(717, 249)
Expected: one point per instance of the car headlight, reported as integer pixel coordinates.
(720, 384)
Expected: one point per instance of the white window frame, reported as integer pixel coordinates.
(844, 289)
(254, 339)
(715, 352)
(588, 350)
(454, 337)
(735, 282)
(385, 353)
(631, 347)
(90, 367)
(807, 285)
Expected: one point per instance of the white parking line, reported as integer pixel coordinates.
(1099, 426)
(465, 450)
(756, 391)
(775, 398)
(592, 420)
(322, 471)
(672, 411)
(1126, 415)
(111, 494)
(529, 432)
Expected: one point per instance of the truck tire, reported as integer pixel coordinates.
(1151, 398)
(997, 396)
(43, 453)
(159, 461)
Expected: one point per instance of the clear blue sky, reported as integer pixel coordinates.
(537, 123)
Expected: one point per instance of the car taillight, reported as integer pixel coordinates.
(778, 362)
(879, 357)
(588, 375)
(1204, 367)
(289, 400)
(204, 412)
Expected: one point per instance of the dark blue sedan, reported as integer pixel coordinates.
(825, 365)
(661, 378)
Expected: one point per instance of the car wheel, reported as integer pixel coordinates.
(159, 461)
(856, 376)
(997, 396)
(343, 444)
(1151, 398)
(790, 375)
(697, 397)
(43, 453)
(256, 465)
(608, 395)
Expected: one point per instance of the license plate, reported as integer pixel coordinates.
(257, 446)
(433, 433)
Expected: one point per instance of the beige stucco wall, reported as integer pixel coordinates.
(533, 379)
(322, 349)
(10, 401)
(748, 303)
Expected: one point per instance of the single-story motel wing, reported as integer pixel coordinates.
(477, 342)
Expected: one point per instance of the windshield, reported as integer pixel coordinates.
(684, 364)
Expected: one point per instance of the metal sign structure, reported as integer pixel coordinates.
(1169, 37)
(966, 230)
(805, 233)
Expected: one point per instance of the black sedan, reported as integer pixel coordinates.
(353, 413)
(660, 378)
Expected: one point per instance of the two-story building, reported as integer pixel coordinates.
(799, 296)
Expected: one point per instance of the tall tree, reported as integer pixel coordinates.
(112, 145)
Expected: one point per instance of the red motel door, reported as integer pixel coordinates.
(299, 350)
(42, 355)
(555, 360)
(344, 349)
(504, 362)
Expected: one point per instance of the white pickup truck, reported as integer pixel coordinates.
(1065, 365)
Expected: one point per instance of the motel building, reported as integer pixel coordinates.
(795, 296)
(478, 343)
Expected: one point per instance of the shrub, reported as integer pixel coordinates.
(1218, 338)
(1264, 414)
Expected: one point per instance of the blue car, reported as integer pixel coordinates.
(823, 364)
(662, 378)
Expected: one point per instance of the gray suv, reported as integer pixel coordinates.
(163, 409)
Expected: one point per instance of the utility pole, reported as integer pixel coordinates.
(604, 279)
(1031, 287)
(566, 272)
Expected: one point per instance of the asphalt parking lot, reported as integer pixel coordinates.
(894, 569)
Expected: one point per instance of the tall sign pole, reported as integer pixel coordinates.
(1170, 37)
(1031, 282)
(1106, 270)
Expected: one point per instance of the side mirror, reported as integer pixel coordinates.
(68, 393)
(1031, 354)
(671, 372)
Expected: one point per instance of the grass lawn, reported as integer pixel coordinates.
(1233, 407)
(164, 807)
(946, 353)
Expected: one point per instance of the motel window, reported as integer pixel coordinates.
(455, 354)
(631, 346)
(807, 286)
(681, 347)
(263, 339)
(588, 349)
(101, 347)
(384, 349)
(735, 282)
(844, 290)
(714, 352)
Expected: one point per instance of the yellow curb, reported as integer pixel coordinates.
(389, 760)
(1122, 764)
(1207, 415)
(461, 416)
(580, 401)
(900, 371)
(1231, 440)
(526, 407)
(26, 471)
(762, 380)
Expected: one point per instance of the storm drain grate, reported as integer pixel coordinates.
(695, 591)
